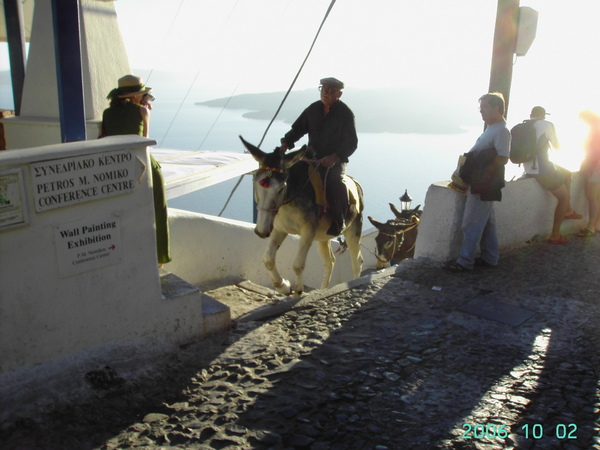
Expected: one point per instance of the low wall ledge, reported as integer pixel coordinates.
(69, 149)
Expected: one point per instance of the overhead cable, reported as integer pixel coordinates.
(284, 98)
(193, 82)
(299, 71)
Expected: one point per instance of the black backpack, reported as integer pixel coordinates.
(523, 142)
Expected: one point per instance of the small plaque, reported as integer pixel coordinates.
(13, 207)
(88, 244)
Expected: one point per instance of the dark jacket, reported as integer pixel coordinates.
(123, 119)
(334, 133)
(476, 172)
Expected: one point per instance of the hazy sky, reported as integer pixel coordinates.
(258, 45)
(223, 47)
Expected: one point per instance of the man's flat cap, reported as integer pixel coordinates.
(334, 82)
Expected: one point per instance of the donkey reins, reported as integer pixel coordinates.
(269, 173)
(395, 242)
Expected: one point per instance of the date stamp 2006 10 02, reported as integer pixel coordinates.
(530, 431)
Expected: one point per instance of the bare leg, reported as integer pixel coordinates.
(562, 196)
(593, 196)
(597, 220)
(567, 174)
(592, 193)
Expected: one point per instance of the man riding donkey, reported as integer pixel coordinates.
(332, 137)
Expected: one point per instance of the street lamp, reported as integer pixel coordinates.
(405, 200)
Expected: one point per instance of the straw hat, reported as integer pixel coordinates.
(130, 86)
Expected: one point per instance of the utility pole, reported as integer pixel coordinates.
(505, 43)
(67, 41)
(15, 35)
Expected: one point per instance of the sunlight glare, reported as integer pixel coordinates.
(514, 379)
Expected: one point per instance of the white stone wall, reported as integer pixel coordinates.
(526, 210)
(207, 247)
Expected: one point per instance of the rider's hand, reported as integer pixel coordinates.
(329, 160)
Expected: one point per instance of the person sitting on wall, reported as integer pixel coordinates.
(548, 175)
(127, 114)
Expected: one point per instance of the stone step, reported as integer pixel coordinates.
(216, 316)
(174, 287)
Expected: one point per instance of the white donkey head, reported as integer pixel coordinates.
(270, 184)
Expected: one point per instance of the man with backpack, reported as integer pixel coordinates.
(548, 175)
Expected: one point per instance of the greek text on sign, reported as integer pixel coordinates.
(88, 244)
(68, 181)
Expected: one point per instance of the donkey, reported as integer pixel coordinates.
(397, 237)
(287, 203)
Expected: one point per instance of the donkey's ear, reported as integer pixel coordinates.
(292, 158)
(256, 152)
(404, 214)
(375, 223)
(397, 213)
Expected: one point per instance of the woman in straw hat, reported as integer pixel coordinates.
(128, 115)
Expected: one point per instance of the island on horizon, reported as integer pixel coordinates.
(385, 110)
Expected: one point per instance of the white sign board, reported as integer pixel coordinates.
(68, 181)
(88, 244)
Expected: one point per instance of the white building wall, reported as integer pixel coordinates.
(104, 61)
(46, 312)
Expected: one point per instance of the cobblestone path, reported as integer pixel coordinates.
(395, 363)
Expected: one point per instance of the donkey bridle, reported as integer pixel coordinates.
(396, 246)
(269, 173)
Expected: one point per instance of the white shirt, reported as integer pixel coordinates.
(542, 127)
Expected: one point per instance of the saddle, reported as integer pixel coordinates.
(351, 184)
(353, 189)
(317, 183)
